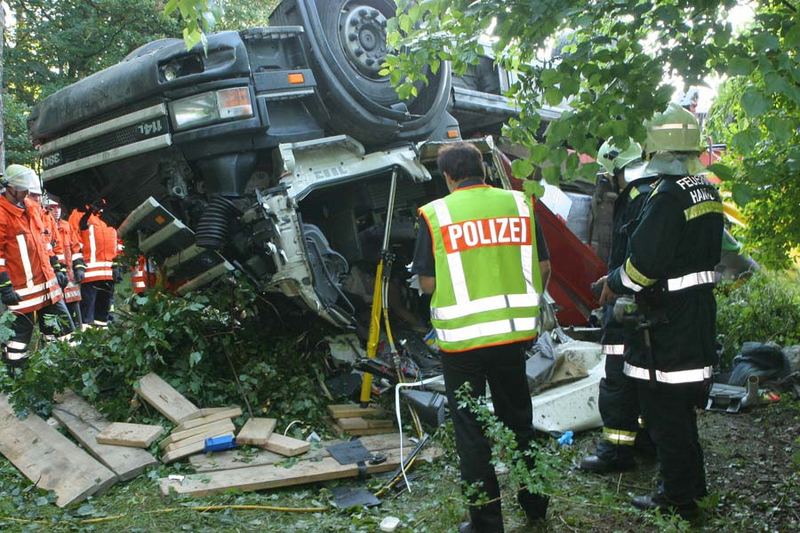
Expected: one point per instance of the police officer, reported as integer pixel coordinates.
(669, 268)
(618, 402)
(477, 254)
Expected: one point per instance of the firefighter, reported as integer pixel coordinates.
(476, 253)
(28, 282)
(142, 275)
(72, 258)
(618, 402)
(669, 268)
(100, 248)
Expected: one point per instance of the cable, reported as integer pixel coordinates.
(400, 421)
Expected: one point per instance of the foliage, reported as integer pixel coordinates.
(226, 348)
(17, 144)
(765, 308)
(609, 62)
(505, 451)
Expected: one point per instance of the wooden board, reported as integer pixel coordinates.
(197, 438)
(49, 459)
(256, 432)
(167, 401)
(233, 459)
(84, 423)
(274, 476)
(222, 414)
(364, 423)
(361, 432)
(351, 410)
(286, 445)
(133, 435)
(214, 428)
(189, 449)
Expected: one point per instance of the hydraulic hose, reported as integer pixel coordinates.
(214, 225)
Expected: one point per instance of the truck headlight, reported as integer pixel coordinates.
(210, 107)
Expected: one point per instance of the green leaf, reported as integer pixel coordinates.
(754, 102)
(533, 188)
(552, 174)
(552, 96)
(522, 168)
(742, 193)
(539, 153)
(745, 141)
(780, 128)
(723, 172)
(739, 66)
(766, 41)
(195, 358)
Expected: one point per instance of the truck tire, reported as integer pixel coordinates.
(346, 42)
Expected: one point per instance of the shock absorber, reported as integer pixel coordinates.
(214, 226)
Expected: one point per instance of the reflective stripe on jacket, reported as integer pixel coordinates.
(24, 256)
(487, 272)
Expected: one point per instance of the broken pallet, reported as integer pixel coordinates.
(49, 459)
(352, 410)
(217, 414)
(275, 476)
(167, 401)
(214, 428)
(286, 445)
(84, 423)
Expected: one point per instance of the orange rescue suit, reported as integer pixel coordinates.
(100, 246)
(25, 258)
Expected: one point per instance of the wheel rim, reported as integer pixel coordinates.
(362, 30)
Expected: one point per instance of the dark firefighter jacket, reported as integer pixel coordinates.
(670, 267)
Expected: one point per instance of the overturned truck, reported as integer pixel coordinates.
(270, 152)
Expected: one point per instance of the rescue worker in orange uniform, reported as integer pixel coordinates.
(142, 275)
(71, 257)
(100, 248)
(28, 282)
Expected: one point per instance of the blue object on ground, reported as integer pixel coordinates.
(218, 444)
(566, 438)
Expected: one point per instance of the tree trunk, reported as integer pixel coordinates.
(2, 90)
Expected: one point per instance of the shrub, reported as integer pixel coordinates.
(217, 348)
(764, 308)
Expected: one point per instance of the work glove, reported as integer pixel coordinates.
(78, 270)
(63, 279)
(7, 293)
(116, 273)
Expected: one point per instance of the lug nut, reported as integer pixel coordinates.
(352, 36)
(358, 51)
(370, 61)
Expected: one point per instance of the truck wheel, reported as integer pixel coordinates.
(346, 43)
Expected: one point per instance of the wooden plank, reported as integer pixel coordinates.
(232, 459)
(286, 445)
(352, 410)
(189, 449)
(84, 423)
(214, 428)
(256, 432)
(275, 476)
(362, 432)
(49, 459)
(167, 401)
(198, 438)
(133, 435)
(228, 412)
(364, 423)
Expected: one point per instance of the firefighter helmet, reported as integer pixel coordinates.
(612, 158)
(674, 130)
(21, 178)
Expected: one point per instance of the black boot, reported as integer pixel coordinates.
(609, 458)
(657, 501)
(534, 505)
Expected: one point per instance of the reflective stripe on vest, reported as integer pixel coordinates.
(26, 260)
(693, 375)
(92, 245)
(614, 349)
(692, 280)
(460, 322)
